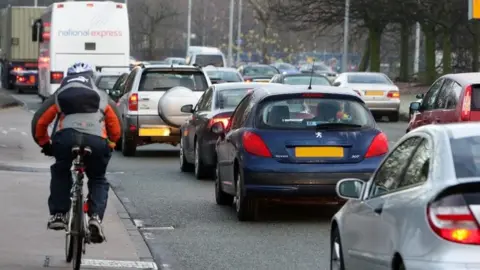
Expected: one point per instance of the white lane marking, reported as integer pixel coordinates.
(115, 172)
(157, 228)
(32, 111)
(138, 223)
(149, 236)
(4, 132)
(3, 146)
(119, 264)
(24, 133)
(13, 129)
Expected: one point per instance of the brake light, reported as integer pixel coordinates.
(16, 69)
(466, 104)
(393, 94)
(119, 6)
(60, 6)
(253, 144)
(451, 219)
(56, 77)
(89, 5)
(312, 95)
(378, 147)
(21, 79)
(133, 102)
(214, 120)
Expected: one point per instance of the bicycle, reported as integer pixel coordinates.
(78, 234)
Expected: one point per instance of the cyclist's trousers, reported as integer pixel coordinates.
(95, 167)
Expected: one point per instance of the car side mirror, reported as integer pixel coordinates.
(187, 108)
(218, 128)
(415, 106)
(420, 96)
(336, 84)
(350, 188)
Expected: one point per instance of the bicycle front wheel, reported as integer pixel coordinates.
(68, 237)
(77, 232)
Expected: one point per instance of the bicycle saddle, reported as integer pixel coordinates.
(84, 151)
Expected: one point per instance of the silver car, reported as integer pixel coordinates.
(419, 210)
(380, 94)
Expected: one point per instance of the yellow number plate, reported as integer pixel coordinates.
(322, 152)
(150, 132)
(374, 93)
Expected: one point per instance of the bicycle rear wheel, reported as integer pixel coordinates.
(77, 236)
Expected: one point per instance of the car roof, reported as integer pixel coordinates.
(465, 78)
(251, 65)
(220, 68)
(274, 89)
(303, 75)
(237, 85)
(172, 67)
(363, 73)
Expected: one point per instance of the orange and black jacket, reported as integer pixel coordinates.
(77, 98)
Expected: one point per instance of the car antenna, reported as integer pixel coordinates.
(311, 77)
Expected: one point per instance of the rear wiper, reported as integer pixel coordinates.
(336, 125)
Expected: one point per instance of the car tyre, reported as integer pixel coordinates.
(184, 165)
(221, 197)
(201, 171)
(129, 146)
(394, 117)
(118, 145)
(336, 252)
(245, 207)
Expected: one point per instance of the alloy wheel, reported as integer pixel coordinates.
(238, 196)
(336, 257)
(181, 153)
(197, 159)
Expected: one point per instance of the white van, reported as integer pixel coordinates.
(205, 56)
(93, 32)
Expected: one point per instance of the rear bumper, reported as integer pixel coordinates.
(133, 124)
(262, 179)
(383, 105)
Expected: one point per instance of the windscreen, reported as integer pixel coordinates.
(466, 156)
(285, 66)
(229, 99)
(368, 79)
(260, 71)
(227, 76)
(107, 82)
(322, 67)
(164, 80)
(305, 80)
(204, 60)
(281, 113)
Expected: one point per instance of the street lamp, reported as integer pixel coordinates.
(189, 23)
(239, 33)
(230, 34)
(345, 36)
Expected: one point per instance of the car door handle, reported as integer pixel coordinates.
(145, 98)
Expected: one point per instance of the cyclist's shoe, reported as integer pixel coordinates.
(57, 222)
(96, 230)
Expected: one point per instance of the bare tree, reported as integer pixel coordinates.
(148, 18)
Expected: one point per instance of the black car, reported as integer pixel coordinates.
(258, 72)
(301, 79)
(197, 145)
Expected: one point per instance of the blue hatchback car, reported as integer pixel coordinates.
(266, 151)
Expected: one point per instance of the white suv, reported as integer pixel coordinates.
(152, 97)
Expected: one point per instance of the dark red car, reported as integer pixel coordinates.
(451, 98)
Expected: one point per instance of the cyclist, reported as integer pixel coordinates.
(86, 116)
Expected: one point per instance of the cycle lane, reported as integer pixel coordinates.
(25, 242)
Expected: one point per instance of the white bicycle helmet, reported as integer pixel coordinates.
(79, 68)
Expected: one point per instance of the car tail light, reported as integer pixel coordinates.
(466, 104)
(119, 6)
(21, 79)
(17, 69)
(378, 147)
(393, 94)
(56, 77)
(89, 5)
(133, 102)
(217, 119)
(452, 219)
(253, 144)
(60, 5)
